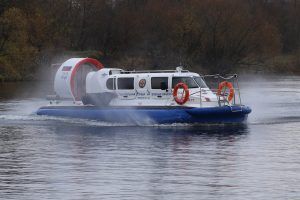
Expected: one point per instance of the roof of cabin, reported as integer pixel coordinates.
(123, 73)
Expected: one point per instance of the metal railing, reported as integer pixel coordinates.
(152, 71)
(213, 81)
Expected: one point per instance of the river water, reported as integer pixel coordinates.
(53, 158)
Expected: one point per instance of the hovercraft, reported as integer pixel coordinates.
(85, 89)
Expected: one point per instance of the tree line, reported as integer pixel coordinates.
(214, 36)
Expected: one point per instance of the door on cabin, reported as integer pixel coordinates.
(142, 86)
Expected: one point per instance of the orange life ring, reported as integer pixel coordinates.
(226, 84)
(184, 98)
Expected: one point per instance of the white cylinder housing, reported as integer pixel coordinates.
(70, 78)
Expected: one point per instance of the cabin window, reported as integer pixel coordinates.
(156, 82)
(125, 83)
(189, 81)
(111, 83)
(200, 82)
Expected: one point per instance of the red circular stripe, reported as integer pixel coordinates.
(92, 61)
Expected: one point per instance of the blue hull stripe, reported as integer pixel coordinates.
(224, 114)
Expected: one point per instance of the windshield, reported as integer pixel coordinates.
(189, 81)
(200, 82)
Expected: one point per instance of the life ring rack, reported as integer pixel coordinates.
(186, 95)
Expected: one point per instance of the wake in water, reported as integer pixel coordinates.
(24, 112)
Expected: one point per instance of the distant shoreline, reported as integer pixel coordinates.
(286, 65)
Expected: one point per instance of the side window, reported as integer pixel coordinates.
(125, 83)
(187, 80)
(156, 82)
(111, 83)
